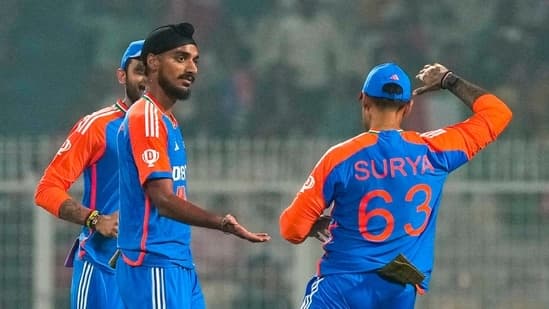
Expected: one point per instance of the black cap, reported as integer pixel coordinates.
(167, 37)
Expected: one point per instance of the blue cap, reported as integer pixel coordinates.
(387, 73)
(133, 51)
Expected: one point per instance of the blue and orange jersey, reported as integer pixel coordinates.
(90, 149)
(385, 190)
(151, 147)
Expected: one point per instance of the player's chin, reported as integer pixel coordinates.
(183, 93)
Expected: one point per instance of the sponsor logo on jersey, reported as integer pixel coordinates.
(150, 156)
(176, 147)
(65, 147)
(179, 172)
(309, 183)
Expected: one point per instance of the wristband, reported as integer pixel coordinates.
(92, 219)
(223, 223)
(449, 80)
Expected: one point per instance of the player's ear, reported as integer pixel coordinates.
(121, 76)
(408, 108)
(362, 99)
(152, 62)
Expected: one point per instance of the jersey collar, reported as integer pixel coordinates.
(379, 131)
(120, 105)
(149, 97)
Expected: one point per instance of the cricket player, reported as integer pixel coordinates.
(385, 186)
(90, 149)
(156, 268)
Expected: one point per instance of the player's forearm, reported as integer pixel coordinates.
(74, 212)
(184, 211)
(466, 91)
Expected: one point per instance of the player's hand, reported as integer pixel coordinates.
(230, 225)
(107, 225)
(431, 76)
(320, 229)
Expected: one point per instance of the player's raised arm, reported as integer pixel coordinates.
(490, 114)
(436, 76)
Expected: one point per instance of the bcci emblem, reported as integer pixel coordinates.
(65, 147)
(309, 183)
(150, 156)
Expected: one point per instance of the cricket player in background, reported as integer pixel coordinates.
(385, 186)
(90, 149)
(156, 268)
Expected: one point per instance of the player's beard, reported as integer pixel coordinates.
(134, 91)
(171, 90)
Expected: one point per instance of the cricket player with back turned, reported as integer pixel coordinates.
(385, 186)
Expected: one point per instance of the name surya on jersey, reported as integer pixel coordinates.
(390, 167)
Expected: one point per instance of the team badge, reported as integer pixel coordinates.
(65, 147)
(309, 183)
(150, 156)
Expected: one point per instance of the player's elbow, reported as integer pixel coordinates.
(44, 197)
(293, 239)
(162, 203)
(507, 114)
(290, 231)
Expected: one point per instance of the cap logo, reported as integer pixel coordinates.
(394, 77)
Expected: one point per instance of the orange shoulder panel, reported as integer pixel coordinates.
(82, 148)
(297, 220)
(149, 139)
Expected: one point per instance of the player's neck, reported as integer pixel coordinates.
(385, 121)
(164, 101)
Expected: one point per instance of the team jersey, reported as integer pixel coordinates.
(90, 149)
(151, 147)
(386, 188)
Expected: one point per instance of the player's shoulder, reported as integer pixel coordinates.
(342, 151)
(143, 110)
(98, 119)
(142, 107)
(415, 137)
(145, 117)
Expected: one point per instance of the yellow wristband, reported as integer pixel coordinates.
(92, 219)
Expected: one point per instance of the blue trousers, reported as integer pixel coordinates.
(93, 287)
(358, 290)
(144, 287)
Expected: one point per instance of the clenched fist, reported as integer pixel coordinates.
(432, 76)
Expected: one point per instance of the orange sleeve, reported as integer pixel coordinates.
(318, 192)
(491, 116)
(149, 142)
(297, 220)
(84, 145)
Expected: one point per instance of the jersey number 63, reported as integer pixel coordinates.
(364, 215)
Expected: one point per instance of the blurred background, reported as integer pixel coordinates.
(277, 86)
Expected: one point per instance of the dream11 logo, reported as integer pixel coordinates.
(150, 156)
